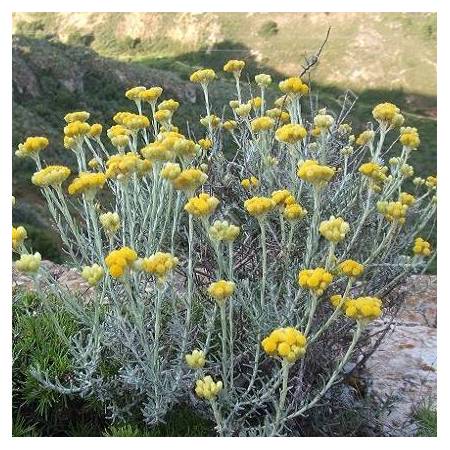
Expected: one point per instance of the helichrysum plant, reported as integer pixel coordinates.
(218, 274)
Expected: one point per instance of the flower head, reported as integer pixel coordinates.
(50, 176)
(234, 66)
(263, 80)
(287, 343)
(189, 180)
(351, 268)
(120, 261)
(291, 133)
(79, 116)
(259, 206)
(407, 199)
(207, 388)
(29, 263)
(135, 93)
(159, 264)
(323, 121)
(196, 359)
(363, 309)
(19, 234)
(87, 183)
(151, 95)
(409, 137)
(393, 211)
(263, 123)
(110, 222)
(223, 231)
(365, 138)
(317, 280)
(203, 76)
(221, 290)
(421, 247)
(32, 146)
(314, 173)
(202, 205)
(334, 229)
(294, 212)
(250, 183)
(387, 114)
(293, 86)
(92, 274)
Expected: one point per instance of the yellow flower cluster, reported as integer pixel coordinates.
(170, 170)
(159, 264)
(138, 93)
(255, 102)
(78, 116)
(19, 234)
(351, 268)
(259, 206)
(207, 388)
(263, 123)
(229, 125)
(278, 115)
(151, 95)
(249, 183)
(421, 247)
(334, 229)
(76, 130)
(29, 263)
(291, 133)
(431, 182)
(203, 76)
(131, 121)
(323, 121)
(221, 290)
(365, 138)
(293, 86)
(314, 173)
(119, 136)
(375, 172)
(196, 359)
(118, 261)
(87, 183)
(317, 280)
(134, 93)
(282, 197)
(202, 205)
(189, 180)
(205, 144)
(388, 114)
(163, 116)
(263, 80)
(50, 176)
(210, 120)
(234, 66)
(406, 199)
(294, 212)
(223, 231)
(363, 308)
(338, 301)
(409, 137)
(122, 166)
(243, 110)
(92, 274)
(32, 146)
(393, 211)
(287, 343)
(169, 105)
(95, 131)
(110, 222)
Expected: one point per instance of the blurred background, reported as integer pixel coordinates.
(65, 62)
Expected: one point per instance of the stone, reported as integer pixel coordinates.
(403, 368)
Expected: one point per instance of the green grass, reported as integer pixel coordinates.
(426, 418)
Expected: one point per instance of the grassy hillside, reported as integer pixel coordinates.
(86, 61)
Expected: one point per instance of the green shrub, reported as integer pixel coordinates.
(268, 28)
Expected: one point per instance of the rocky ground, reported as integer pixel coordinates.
(401, 373)
(403, 369)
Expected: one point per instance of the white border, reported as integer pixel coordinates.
(230, 6)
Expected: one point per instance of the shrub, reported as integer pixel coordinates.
(241, 285)
(268, 29)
